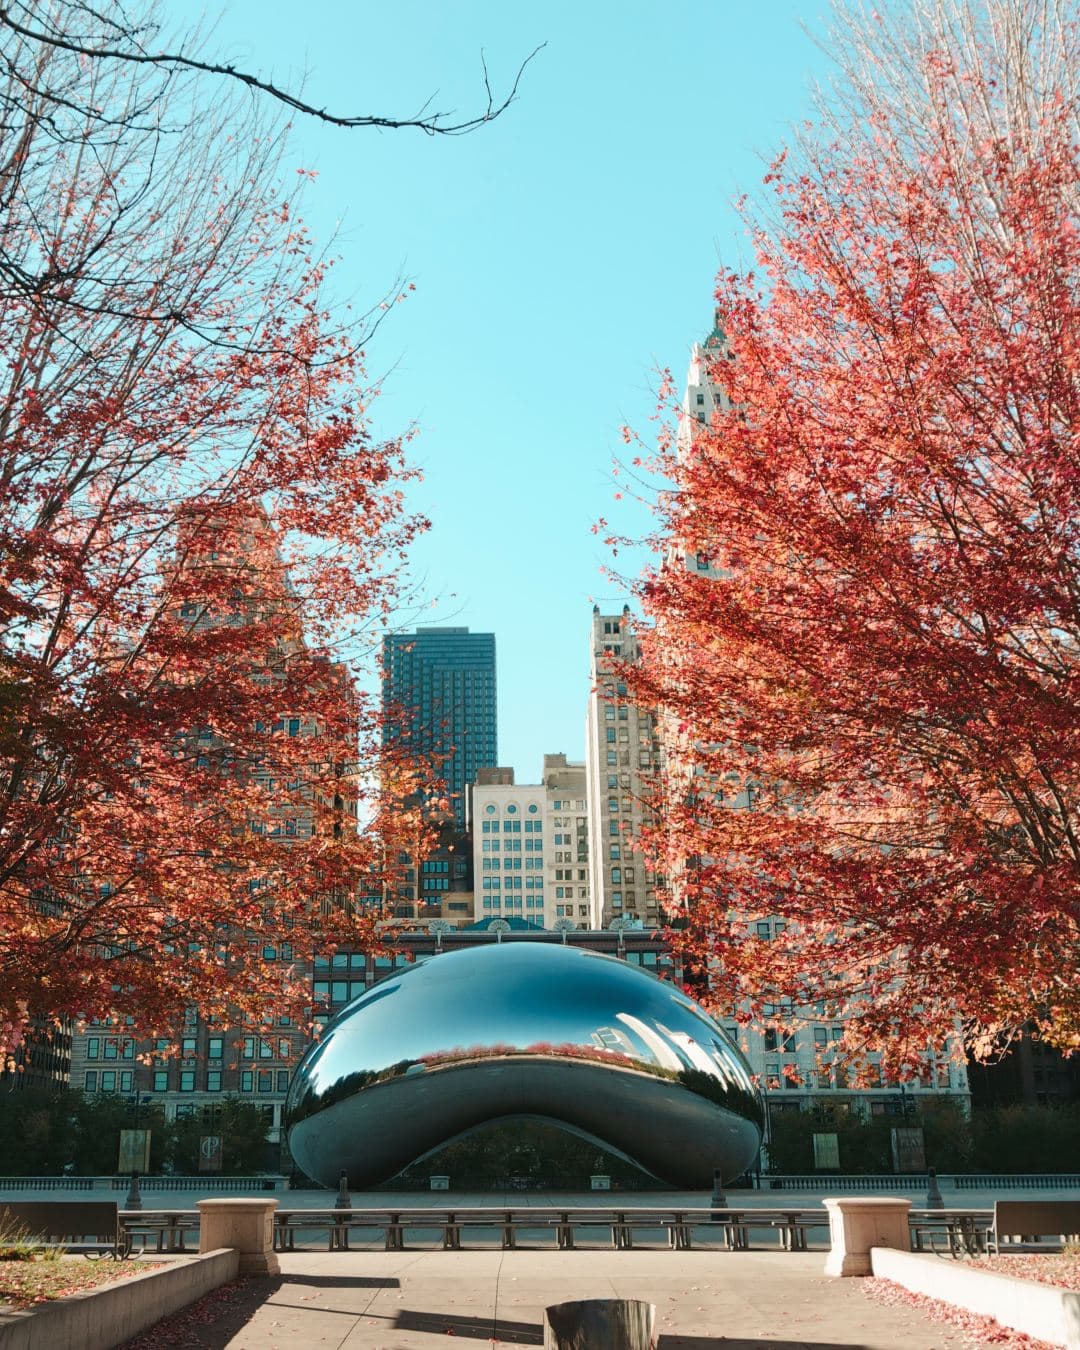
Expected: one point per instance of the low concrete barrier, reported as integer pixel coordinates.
(1039, 1310)
(114, 1313)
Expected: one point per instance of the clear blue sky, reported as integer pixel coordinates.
(560, 255)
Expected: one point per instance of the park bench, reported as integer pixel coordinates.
(1024, 1222)
(337, 1224)
(168, 1228)
(792, 1226)
(68, 1224)
(964, 1230)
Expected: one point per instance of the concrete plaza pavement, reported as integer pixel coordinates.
(416, 1300)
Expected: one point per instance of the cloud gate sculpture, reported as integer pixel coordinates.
(523, 1029)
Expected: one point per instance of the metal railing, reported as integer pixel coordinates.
(817, 1181)
(1030, 1181)
(562, 1229)
(919, 1181)
(48, 1183)
(233, 1185)
(206, 1182)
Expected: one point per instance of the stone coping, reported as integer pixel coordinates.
(98, 1319)
(1040, 1310)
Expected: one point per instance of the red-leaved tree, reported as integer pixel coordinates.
(196, 521)
(878, 677)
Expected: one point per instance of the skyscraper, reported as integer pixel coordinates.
(621, 758)
(439, 703)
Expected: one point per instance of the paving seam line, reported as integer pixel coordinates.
(367, 1308)
(495, 1311)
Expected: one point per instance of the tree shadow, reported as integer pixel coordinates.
(673, 1341)
(342, 1281)
(476, 1328)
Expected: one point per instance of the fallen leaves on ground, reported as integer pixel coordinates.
(977, 1330)
(184, 1327)
(24, 1283)
(1058, 1268)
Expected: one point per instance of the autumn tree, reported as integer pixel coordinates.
(879, 668)
(197, 524)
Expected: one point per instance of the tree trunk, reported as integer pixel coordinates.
(600, 1324)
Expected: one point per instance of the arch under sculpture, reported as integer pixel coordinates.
(523, 1029)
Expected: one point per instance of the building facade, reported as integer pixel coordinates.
(439, 704)
(622, 759)
(568, 847)
(531, 847)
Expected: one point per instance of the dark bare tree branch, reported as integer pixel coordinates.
(433, 124)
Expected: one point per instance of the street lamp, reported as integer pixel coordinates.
(134, 1198)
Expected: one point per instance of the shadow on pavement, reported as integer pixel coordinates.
(212, 1322)
(673, 1341)
(342, 1281)
(476, 1328)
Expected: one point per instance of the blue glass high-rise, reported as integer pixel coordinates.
(439, 702)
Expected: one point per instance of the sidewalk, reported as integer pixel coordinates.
(416, 1300)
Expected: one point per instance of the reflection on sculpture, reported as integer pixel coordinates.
(523, 1029)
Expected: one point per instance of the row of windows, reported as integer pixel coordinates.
(358, 961)
(109, 1048)
(262, 1080)
(513, 902)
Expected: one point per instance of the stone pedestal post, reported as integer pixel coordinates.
(860, 1223)
(247, 1225)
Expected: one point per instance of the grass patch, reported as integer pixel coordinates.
(24, 1283)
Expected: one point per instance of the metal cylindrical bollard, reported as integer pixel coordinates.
(600, 1324)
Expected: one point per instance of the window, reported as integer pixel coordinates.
(283, 1080)
(187, 1080)
(108, 1081)
(92, 1048)
(161, 1080)
(90, 1082)
(266, 1080)
(214, 1047)
(213, 1080)
(187, 1047)
(614, 852)
(247, 1079)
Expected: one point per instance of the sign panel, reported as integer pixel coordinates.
(210, 1153)
(908, 1150)
(134, 1151)
(827, 1152)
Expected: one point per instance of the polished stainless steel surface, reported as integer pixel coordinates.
(523, 1029)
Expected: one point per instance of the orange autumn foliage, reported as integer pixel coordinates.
(886, 650)
(197, 522)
